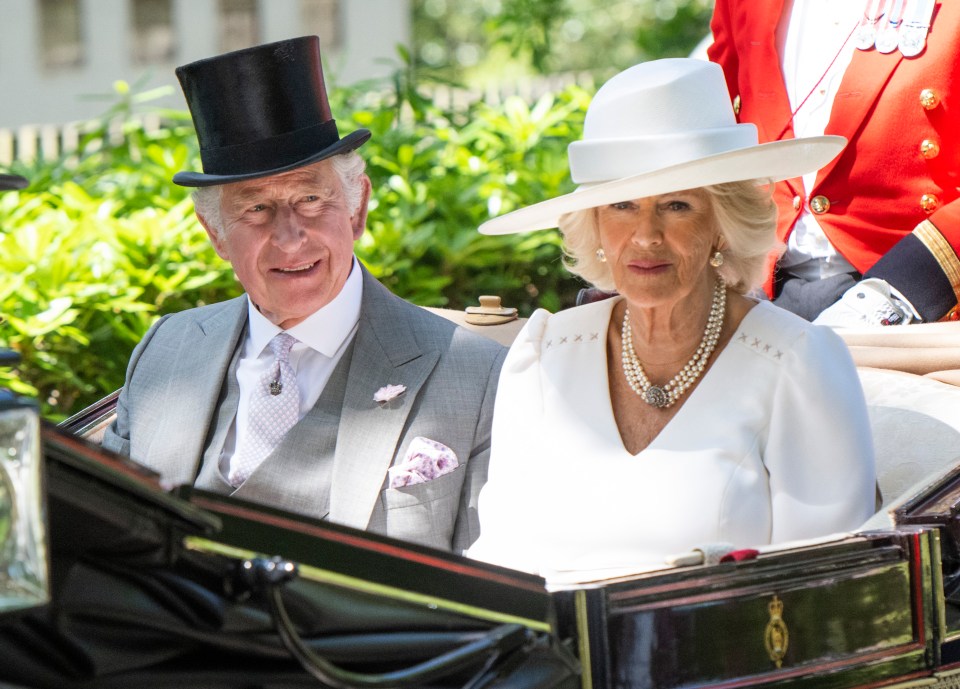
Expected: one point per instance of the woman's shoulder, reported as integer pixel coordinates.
(593, 315)
(586, 323)
(774, 332)
(560, 337)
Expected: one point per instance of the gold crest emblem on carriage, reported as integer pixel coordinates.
(776, 636)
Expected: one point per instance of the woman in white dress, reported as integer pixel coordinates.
(682, 412)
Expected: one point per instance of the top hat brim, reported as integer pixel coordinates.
(350, 142)
(13, 182)
(774, 161)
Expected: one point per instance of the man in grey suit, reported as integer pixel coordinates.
(374, 413)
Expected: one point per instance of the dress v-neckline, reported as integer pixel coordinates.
(692, 396)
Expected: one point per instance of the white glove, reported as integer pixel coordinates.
(869, 302)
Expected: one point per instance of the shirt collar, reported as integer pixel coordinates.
(325, 330)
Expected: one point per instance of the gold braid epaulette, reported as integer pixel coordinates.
(942, 252)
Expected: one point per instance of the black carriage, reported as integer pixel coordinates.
(152, 588)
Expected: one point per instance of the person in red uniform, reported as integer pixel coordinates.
(873, 237)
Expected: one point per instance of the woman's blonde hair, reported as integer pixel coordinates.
(746, 217)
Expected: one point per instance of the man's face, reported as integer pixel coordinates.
(289, 238)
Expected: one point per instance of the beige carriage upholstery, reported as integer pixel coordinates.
(926, 349)
(504, 333)
(910, 377)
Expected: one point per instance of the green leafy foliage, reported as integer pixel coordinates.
(102, 243)
(500, 41)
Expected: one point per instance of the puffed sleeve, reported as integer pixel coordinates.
(505, 511)
(819, 450)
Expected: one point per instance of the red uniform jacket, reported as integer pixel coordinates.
(889, 202)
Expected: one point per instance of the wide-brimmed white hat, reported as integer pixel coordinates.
(665, 126)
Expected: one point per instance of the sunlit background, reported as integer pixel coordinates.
(59, 59)
(471, 103)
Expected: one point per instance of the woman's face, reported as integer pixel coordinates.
(659, 247)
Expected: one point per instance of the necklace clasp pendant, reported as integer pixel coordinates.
(656, 396)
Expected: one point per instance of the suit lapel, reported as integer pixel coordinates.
(386, 353)
(203, 358)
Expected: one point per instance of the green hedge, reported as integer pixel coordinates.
(102, 242)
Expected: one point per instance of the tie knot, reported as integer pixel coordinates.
(281, 344)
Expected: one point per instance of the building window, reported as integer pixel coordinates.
(61, 34)
(153, 38)
(239, 24)
(322, 17)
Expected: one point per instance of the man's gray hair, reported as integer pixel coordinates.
(746, 216)
(349, 167)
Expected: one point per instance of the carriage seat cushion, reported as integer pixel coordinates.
(916, 432)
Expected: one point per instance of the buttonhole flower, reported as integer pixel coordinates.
(388, 392)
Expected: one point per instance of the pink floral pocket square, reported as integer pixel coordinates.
(425, 460)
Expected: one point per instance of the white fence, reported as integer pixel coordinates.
(49, 141)
(30, 143)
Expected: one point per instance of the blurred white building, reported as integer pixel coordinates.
(59, 59)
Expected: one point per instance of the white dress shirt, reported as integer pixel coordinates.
(321, 341)
(811, 35)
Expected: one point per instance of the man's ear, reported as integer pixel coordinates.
(215, 239)
(358, 221)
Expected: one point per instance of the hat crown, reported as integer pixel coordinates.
(260, 111)
(258, 92)
(674, 95)
(655, 115)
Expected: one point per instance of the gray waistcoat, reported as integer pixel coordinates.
(296, 475)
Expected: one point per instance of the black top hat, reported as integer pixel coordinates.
(11, 182)
(261, 111)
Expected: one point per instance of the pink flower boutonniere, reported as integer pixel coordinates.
(388, 392)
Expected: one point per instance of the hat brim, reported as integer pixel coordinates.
(775, 161)
(13, 182)
(351, 141)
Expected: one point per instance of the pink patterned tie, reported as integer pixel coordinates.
(274, 409)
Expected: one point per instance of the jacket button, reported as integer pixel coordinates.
(797, 202)
(929, 99)
(819, 204)
(736, 105)
(929, 149)
(929, 203)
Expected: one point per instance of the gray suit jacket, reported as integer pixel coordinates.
(176, 373)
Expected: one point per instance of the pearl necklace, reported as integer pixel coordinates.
(666, 395)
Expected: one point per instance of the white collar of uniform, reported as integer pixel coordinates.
(325, 330)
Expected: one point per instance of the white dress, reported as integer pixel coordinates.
(773, 445)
